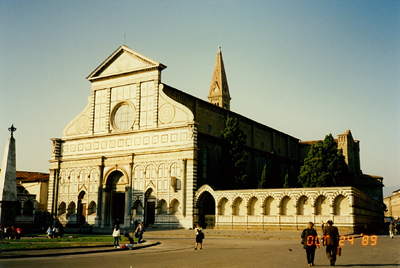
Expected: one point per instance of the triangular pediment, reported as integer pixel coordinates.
(124, 60)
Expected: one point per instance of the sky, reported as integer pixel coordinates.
(306, 68)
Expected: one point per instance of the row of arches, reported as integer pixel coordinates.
(82, 175)
(153, 171)
(173, 208)
(284, 206)
(148, 171)
(72, 208)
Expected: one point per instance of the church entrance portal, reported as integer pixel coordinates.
(207, 211)
(114, 199)
(82, 208)
(150, 204)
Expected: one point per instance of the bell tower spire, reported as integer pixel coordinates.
(219, 90)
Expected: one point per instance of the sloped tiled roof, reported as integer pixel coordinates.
(26, 176)
(29, 176)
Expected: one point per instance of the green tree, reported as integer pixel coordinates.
(262, 183)
(324, 166)
(286, 184)
(234, 155)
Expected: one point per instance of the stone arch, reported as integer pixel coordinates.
(304, 205)
(205, 203)
(337, 193)
(324, 193)
(219, 197)
(71, 208)
(322, 205)
(150, 171)
(114, 187)
(92, 208)
(224, 207)
(150, 204)
(163, 176)
(122, 180)
(162, 207)
(138, 171)
(270, 205)
(341, 206)
(62, 208)
(63, 177)
(174, 207)
(204, 188)
(175, 169)
(253, 206)
(238, 206)
(83, 175)
(73, 176)
(249, 197)
(93, 175)
(137, 206)
(82, 207)
(138, 177)
(287, 206)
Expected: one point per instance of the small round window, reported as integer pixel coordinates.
(124, 116)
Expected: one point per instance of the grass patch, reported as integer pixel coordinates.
(65, 242)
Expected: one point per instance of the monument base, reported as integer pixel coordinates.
(7, 212)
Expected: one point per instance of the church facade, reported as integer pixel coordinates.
(144, 150)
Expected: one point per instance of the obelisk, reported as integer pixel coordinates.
(8, 182)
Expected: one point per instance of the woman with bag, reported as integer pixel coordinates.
(199, 236)
(309, 239)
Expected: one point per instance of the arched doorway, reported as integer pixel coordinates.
(150, 206)
(206, 206)
(81, 208)
(114, 199)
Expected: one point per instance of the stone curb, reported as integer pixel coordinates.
(51, 252)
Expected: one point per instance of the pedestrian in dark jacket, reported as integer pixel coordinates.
(309, 239)
(331, 241)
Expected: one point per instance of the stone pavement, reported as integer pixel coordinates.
(150, 237)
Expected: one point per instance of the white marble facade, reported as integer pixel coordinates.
(131, 140)
(132, 154)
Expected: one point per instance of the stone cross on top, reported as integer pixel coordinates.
(12, 129)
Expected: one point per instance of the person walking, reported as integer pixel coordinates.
(116, 234)
(309, 239)
(391, 229)
(331, 241)
(139, 231)
(199, 236)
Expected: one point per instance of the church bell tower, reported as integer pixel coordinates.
(219, 90)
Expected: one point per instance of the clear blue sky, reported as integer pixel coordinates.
(306, 68)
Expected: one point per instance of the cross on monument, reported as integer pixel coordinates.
(12, 129)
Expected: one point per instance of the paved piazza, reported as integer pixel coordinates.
(225, 252)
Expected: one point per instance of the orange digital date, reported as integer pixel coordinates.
(366, 240)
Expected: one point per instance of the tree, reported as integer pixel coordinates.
(324, 166)
(262, 183)
(286, 184)
(234, 156)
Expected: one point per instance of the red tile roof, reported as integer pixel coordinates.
(29, 176)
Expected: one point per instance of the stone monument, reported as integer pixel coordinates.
(8, 182)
